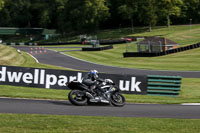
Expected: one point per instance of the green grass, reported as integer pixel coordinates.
(190, 93)
(190, 90)
(180, 34)
(184, 61)
(188, 60)
(32, 93)
(9, 56)
(81, 124)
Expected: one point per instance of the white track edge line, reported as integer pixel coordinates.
(191, 104)
(33, 57)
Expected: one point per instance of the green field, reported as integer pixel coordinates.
(181, 34)
(190, 93)
(190, 89)
(188, 60)
(183, 61)
(81, 124)
(10, 56)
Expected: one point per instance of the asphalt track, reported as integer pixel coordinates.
(64, 60)
(27, 106)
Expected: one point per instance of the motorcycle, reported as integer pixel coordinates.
(80, 94)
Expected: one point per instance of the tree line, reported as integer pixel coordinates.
(72, 16)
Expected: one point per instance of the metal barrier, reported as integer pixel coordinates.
(13, 44)
(164, 85)
(97, 48)
(172, 51)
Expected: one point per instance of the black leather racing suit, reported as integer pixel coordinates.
(92, 81)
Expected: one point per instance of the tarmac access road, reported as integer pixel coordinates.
(59, 59)
(28, 106)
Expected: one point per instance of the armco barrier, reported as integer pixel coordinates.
(97, 49)
(143, 54)
(163, 85)
(60, 43)
(102, 42)
(28, 44)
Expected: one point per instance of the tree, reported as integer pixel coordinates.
(78, 16)
(170, 8)
(15, 13)
(40, 11)
(1, 4)
(190, 10)
(85, 15)
(5, 19)
(55, 13)
(148, 12)
(58, 15)
(23, 14)
(128, 9)
(114, 20)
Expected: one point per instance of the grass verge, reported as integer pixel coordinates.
(186, 61)
(79, 124)
(183, 61)
(182, 34)
(190, 93)
(53, 123)
(9, 56)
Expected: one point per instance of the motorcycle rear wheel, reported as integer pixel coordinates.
(118, 99)
(77, 97)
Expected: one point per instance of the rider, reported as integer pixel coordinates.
(91, 79)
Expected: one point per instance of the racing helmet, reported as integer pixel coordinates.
(94, 72)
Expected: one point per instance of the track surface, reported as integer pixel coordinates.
(65, 108)
(26, 106)
(59, 59)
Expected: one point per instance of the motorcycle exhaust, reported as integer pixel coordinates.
(89, 95)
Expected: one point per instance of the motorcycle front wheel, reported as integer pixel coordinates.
(118, 99)
(77, 97)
